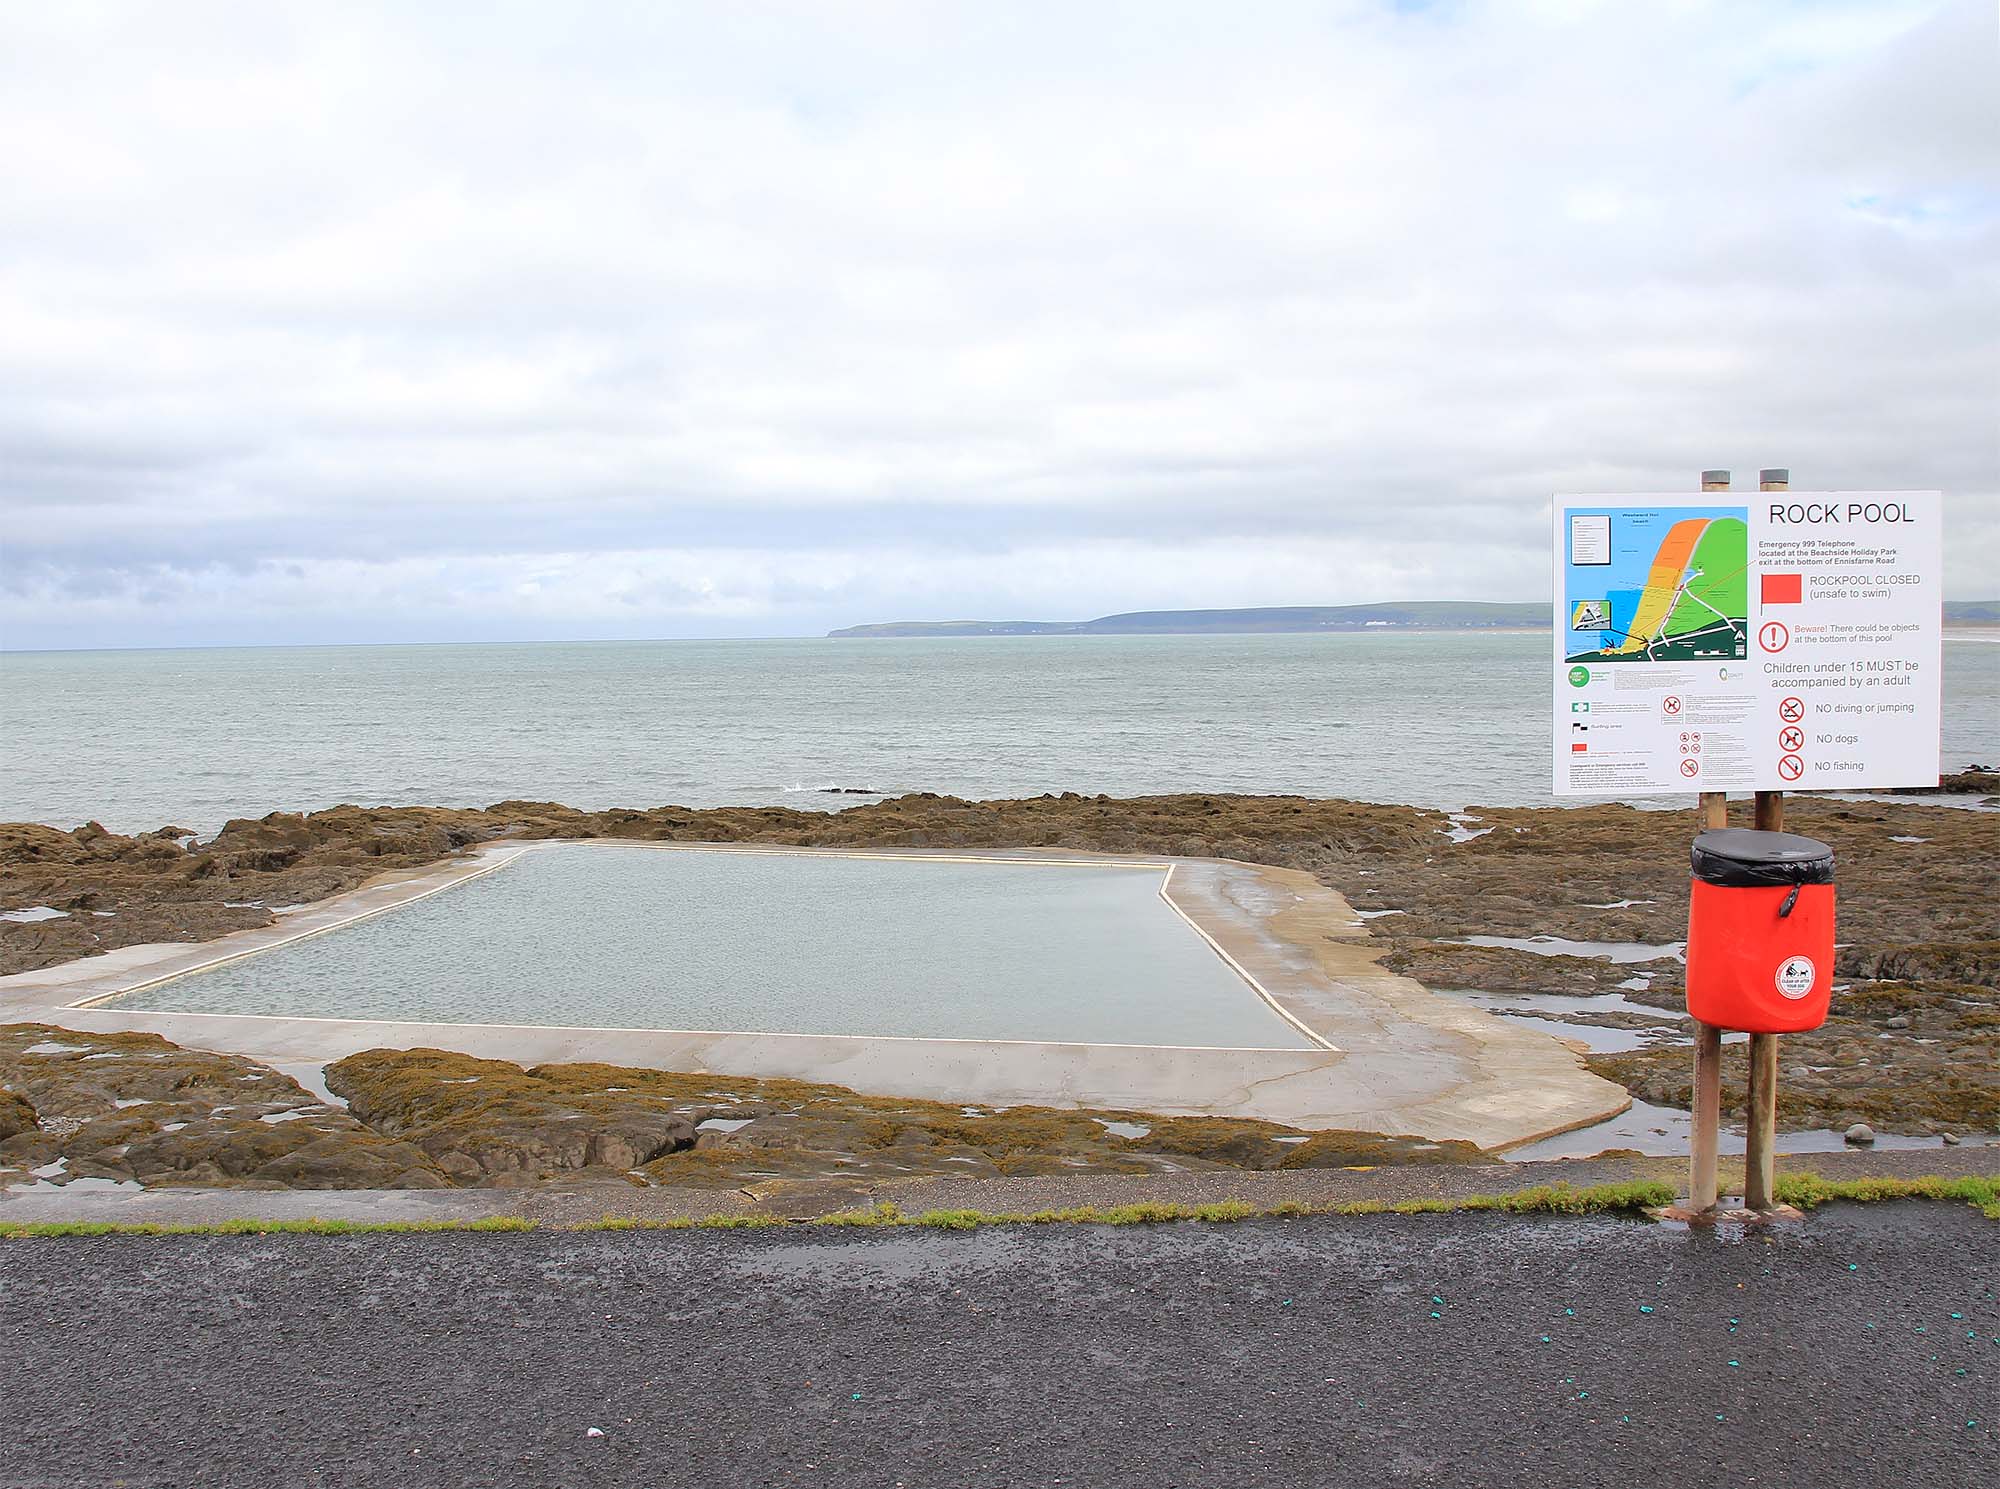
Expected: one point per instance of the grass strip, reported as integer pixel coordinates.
(1809, 1191)
(722, 1220)
(1630, 1197)
(1806, 1191)
(1555, 1199)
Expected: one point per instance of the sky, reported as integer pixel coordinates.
(470, 322)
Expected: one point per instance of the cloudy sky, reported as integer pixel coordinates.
(443, 322)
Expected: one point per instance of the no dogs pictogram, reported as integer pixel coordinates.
(1791, 767)
(1791, 739)
(1670, 705)
(1791, 710)
(1690, 767)
(1774, 636)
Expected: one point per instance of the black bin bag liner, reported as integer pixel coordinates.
(1742, 858)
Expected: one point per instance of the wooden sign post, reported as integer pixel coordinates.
(1711, 810)
(1761, 1114)
(1759, 1159)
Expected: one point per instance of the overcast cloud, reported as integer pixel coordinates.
(335, 322)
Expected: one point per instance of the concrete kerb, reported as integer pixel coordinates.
(1389, 1055)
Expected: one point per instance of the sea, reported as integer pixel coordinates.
(142, 739)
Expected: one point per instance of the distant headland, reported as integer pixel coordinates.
(1420, 615)
(1412, 615)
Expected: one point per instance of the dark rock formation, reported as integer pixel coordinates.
(1936, 1071)
(135, 1107)
(17, 1115)
(489, 1121)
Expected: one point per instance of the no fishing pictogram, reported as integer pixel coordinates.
(1791, 767)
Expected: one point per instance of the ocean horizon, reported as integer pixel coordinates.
(138, 739)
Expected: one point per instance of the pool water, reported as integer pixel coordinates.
(622, 936)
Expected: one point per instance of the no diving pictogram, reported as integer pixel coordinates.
(1670, 705)
(1692, 767)
(1773, 636)
(1791, 739)
(1791, 767)
(1791, 710)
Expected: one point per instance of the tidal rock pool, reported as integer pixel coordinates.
(623, 936)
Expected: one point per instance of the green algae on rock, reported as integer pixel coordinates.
(134, 1107)
(736, 1131)
(17, 1115)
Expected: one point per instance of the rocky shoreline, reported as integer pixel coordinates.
(1913, 1045)
(134, 1109)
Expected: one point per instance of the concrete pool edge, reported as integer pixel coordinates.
(1397, 1058)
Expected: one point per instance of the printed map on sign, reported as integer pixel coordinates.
(1665, 586)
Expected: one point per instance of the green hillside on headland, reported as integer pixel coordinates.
(1431, 615)
(1410, 615)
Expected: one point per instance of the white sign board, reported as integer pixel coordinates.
(1788, 640)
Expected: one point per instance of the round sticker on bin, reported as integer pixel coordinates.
(1796, 975)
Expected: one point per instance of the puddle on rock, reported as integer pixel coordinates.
(1665, 1130)
(1620, 952)
(1547, 1012)
(74, 1186)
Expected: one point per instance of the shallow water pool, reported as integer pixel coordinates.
(622, 936)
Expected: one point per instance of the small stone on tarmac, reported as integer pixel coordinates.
(1860, 1133)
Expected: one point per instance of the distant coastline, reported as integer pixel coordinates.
(1413, 615)
(1417, 615)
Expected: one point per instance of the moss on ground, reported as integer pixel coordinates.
(1809, 1191)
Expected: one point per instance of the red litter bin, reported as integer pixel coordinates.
(1760, 931)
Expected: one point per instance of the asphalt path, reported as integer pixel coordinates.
(1862, 1348)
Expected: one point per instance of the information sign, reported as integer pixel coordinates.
(1787, 641)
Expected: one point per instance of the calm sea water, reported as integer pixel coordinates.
(603, 936)
(138, 739)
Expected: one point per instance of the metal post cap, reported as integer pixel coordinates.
(1779, 474)
(1715, 477)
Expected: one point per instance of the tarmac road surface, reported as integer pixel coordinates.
(1862, 1348)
